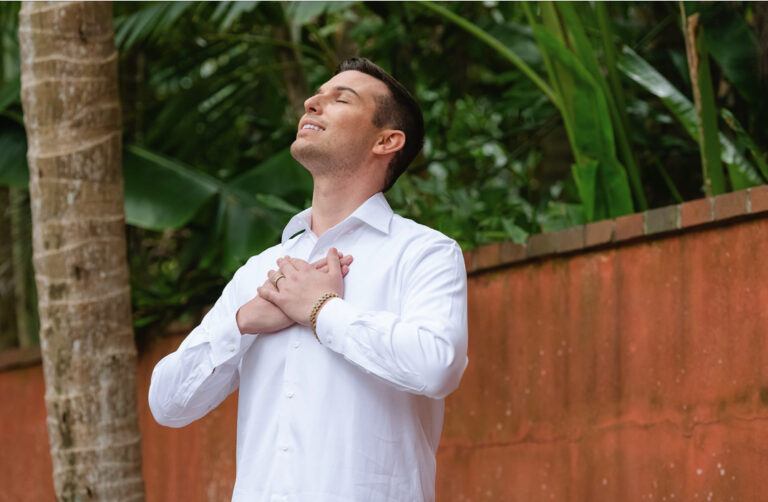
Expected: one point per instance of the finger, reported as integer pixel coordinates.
(268, 292)
(285, 262)
(344, 270)
(273, 280)
(287, 268)
(299, 264)
(334, 266)
(322, 264)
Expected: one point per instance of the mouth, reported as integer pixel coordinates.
(310, 126)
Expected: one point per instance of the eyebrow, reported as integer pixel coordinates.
(339, 88)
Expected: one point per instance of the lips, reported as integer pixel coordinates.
(310, 125)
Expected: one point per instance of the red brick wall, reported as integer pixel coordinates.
(624, 360)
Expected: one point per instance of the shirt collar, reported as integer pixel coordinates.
(374, 212)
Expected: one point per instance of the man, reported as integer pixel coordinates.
(342, 367)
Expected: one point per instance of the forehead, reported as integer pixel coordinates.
(365, 85)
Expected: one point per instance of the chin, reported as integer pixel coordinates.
(308, 155)
(300, 151)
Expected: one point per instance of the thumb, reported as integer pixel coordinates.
(334, 265)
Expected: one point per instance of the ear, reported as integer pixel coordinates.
(389, 141)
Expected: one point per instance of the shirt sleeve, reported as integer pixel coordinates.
(204, 370)
(424, 349)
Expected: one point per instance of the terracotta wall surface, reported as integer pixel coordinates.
(637, 373)
(190, 464)
(631, 371)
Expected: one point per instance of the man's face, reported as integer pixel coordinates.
(337, 132)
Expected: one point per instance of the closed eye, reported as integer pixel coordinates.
(341, 101)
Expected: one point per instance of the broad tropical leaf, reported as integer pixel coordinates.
(280, 175)
(637, 69)
(593, 138)
(744, 139)
(161, 192)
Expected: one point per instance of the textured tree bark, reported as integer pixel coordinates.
(72, 116)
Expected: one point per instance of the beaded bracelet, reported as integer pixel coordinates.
(316, 310)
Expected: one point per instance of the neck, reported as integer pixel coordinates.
(335, 199)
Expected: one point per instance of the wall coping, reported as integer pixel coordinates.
(648, 225)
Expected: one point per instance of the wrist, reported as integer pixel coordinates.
(319, 304)
(240, 322)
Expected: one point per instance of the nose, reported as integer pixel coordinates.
(313, 104)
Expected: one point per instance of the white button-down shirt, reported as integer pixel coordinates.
(358, 417)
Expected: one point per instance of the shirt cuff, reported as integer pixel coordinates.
(225, 340)
(332, 323)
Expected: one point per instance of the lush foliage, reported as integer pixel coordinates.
(539, 116)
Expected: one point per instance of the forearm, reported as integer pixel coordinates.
(196, 377)
(420, 355)
(186, 385)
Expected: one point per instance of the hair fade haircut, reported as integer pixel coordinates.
(398, 111)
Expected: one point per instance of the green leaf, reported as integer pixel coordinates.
(559, 215)
(161, 192)
(148, 23)
(231, 11)
(13, 159)
(585, 176)
(617, 102)
(280, 175)
(302, 13)
(10, 93)
(637, 69)
(497, 46)
(732, 43)
(599, 174)
(246, 232)
(513, 232)
(746, 141)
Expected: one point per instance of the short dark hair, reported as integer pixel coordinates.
(399, 111)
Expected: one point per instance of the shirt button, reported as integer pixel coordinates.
(296, 345)
(289, 394)
(231, 347)
(284, 448)
(329, 340)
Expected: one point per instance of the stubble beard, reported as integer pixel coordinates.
(312, 158)
(319, 161)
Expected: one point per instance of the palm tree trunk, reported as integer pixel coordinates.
(72, 116)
